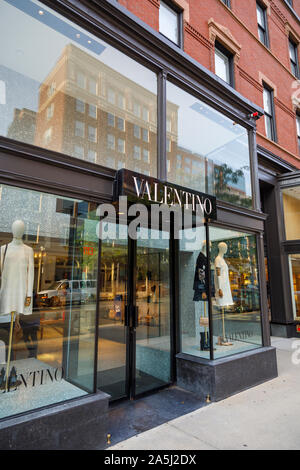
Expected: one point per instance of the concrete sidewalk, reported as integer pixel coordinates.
(263, 417)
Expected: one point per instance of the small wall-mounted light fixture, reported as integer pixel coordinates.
(255, 116)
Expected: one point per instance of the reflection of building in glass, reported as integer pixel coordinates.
(50, 236)
(90, 111)
(23, 125)
(204, 174)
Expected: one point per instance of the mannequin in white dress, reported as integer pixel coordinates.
(222, 283)
(17, 273)
(17, 266)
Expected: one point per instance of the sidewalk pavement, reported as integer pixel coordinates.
(263, 417)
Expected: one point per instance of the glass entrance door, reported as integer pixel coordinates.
(112, 329)
(134, 347)
(152, 336)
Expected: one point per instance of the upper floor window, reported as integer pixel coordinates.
(269, 112)
(81, 80)
(93, 111)
(111, 96)
(223, 64)
(298, 130)
(290, 2)
(80, 106)
(92, 86)
(293, 49)
(50, 111)
(170, 18)
(262, 24)
(51, 89)
(79, 129)
(226, 2)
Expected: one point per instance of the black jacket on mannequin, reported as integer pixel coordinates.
(200, 279)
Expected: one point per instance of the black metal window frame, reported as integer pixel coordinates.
(230, 57)
(271, 116)
(179, 12)
(298, 129)
(263, 29)
(294, 63)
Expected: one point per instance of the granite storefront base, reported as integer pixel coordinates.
(78, 424)
(286, 330)
(224, 377)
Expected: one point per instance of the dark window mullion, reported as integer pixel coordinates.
(270, 115)
(298, 130)
(294, 61)
(263, 28)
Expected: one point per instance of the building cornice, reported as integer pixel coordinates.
(271, 142)
(274, 159)
(223, 34)
(291, 10)
(198, 36)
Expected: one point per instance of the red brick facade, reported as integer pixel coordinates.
(208, 20)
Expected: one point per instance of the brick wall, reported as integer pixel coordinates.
(255, 63)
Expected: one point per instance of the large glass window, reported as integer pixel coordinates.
(234, 289)
(291, 207)
(49, 253)
(294, 264)
(194, 293)
(236, 311)
(215, 146)
(50, 69)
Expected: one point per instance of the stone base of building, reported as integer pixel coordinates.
(286, 330)
(224, 377)
(77, 424)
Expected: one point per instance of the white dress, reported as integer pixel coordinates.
(222, 282)
(17, 280)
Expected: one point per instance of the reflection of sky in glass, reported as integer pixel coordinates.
(33, 48)
(204, 131)
(39, 213)
(220, 234)
(197, 122)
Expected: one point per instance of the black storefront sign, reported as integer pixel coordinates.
(149, 190)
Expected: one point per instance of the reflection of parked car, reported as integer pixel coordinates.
(65, 291)
(88, 290)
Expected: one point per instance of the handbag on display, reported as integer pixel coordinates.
(203, 321)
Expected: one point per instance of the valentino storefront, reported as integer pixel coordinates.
(102, 119)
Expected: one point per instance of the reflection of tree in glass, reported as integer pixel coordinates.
(225, 177)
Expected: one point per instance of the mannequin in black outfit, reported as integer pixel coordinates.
(201, 289)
